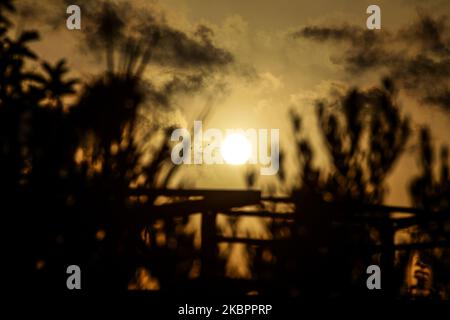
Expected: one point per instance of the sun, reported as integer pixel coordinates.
(236, 149)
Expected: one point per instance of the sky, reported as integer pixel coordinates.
(262, 64)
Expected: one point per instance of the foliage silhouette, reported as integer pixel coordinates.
(364, 135)
(67, 171)
(431, 194)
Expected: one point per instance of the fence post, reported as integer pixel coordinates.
(209, 245)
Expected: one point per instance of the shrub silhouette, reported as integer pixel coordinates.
(364, 135)
(67, 171)
(432, 194)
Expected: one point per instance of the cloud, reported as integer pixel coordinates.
(429, 33)
(417, 57)
(441, 97)
(270, 82)
(129, 38)
(176, 85)
(147, 32)
(174, 47)
(344, 33)
(130, 29)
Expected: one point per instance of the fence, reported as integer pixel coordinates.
(210, 203)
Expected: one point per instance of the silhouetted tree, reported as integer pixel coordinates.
(364, 135)
(432, 194)
(67, 172)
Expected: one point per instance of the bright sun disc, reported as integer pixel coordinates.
(236, 149)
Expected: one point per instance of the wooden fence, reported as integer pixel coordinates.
(210, 203)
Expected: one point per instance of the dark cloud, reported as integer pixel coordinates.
(176, 48)
(122, 26)
(352, 34)
(325, 33)
(417, 56)
(125, 28)
(177, 85)
(364, 48)
(141, 37)
(441, 98)
(429, 34)
(128, 38)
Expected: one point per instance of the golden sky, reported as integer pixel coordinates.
(271, 73)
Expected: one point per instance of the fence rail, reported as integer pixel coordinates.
(210, 203)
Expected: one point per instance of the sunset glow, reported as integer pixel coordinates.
(236, 149)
